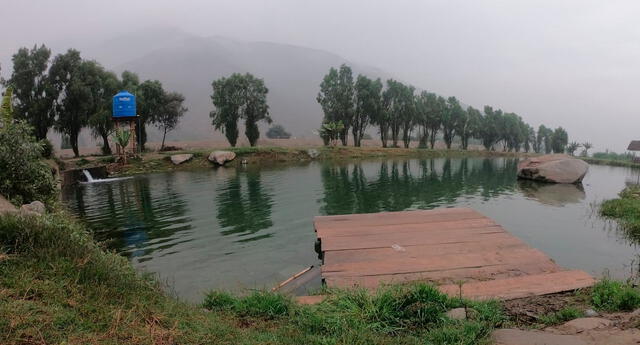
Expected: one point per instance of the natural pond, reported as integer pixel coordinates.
(235, 228)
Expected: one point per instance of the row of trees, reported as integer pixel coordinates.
(69, 93)
(397, 110)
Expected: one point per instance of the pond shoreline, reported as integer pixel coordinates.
(269, 155)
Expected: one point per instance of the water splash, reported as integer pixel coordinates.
(90, 178)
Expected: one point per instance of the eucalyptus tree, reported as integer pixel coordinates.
(489, 130)
(227, 100)
(78, 83)
(255, 108)
(434, 118)
(452, 116)
(239, 97)
(530, 141)
(422, 108)
(336, 97)
(170, 114)
(101, 122)
(544, 138)
(32, 87)
(150, 96)
(398, 103)
(407, 113)
(368, 106)
(469, 127)
(559, 140)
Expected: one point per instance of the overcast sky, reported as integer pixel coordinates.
(574, 64)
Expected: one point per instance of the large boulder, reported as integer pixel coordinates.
(221, 157)
(181, 158)
(558, 168)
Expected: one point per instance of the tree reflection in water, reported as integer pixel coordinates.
(415, 184)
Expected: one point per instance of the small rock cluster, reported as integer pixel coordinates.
(221, 157)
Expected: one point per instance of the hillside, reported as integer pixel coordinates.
(188, 64)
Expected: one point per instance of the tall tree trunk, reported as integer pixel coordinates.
(383, 135)
(356, 136)
(344, 136)
(432, 139)
(73, 138)
(164, 135)
(106, 149)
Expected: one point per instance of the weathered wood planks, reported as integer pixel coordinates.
(442, 246)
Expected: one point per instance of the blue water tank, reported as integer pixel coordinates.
(124, 105)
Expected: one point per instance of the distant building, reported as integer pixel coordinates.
(634, 145)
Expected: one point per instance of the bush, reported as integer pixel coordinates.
(612, 295)
(47, 149)
(216, 300)
(278, 132)
(23, 177)
(264, 304)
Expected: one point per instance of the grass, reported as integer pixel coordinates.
(609, 295)
(626, 209)
(406, 312)
(561, 316)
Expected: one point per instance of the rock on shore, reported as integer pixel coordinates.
(557, 168)
(221, 157)
(181, 158)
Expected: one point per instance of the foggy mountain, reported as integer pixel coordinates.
(188, 64)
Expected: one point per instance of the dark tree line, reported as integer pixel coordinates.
(401, 114)
(69, 93)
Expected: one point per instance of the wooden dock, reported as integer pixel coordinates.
(442, 246)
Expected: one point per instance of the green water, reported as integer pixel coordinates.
(236, 228)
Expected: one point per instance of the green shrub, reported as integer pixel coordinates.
(612, 295)
(23, 177)
(217, 300)
(561, 316)
(264, 304)
(47, 149)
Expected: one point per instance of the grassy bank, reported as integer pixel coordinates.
(161, 161)
(59, 286)
(625, 209)
(611, 162)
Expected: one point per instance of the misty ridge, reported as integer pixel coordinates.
(188, 63)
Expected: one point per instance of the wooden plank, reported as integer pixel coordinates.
(525, 286)
(400, 252)
(435, 263)
(401, 228)
(403, 217)
(507, 270)
(454, 236)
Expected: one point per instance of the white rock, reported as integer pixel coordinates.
(221, 157)
(181, 158)
(33, 208)
(591, 313)
(313, 153)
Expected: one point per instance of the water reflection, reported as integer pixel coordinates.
(552, 193)
(244, 208)
(133, 216)
(422, 184)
